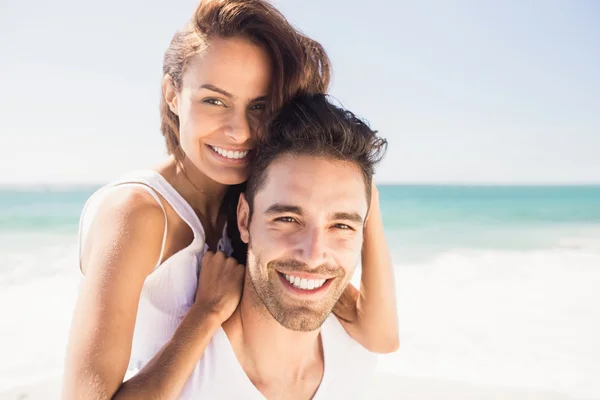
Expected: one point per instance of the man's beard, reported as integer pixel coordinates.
(294, 314)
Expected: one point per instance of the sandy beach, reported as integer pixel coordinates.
(383, 387)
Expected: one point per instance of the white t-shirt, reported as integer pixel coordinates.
(348, 369)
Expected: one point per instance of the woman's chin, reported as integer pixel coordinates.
(229, 178)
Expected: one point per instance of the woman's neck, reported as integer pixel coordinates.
(203, 194)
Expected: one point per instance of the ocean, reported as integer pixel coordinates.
(496, 285)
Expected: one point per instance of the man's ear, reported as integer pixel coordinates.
(170, 94)
(243, 218)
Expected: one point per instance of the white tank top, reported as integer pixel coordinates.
(348, 369)
(169, 292)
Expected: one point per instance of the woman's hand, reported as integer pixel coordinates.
(220, 284)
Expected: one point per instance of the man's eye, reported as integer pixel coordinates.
(343, 227)
(286, 219)
(214, 102)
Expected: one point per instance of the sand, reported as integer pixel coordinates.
(383, 387)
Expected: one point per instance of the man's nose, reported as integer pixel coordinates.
(312, 249)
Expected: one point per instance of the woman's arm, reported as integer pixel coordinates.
(370, 315)
(218, 295)
(122, 248)
(167, 372)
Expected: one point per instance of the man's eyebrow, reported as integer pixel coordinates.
(345, 216)
(227, 94)
(279, 208)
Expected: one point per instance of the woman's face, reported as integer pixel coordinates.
(220, 103)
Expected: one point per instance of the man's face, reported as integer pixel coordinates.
(304, 238)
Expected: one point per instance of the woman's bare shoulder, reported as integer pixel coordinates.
(127, 220)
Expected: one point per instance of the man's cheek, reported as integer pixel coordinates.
(349, 261)
(348, 249)
(281, 238)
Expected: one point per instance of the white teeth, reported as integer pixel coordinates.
(303, 283)
(234, 155)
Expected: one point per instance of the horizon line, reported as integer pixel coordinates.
(59, 184)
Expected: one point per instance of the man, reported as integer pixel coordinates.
(302, 217)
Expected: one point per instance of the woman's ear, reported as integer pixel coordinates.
(243, 218)
(170, 94)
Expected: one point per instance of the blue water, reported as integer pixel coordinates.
(419, 220)
(417, 206)
(44, 208)
(426, 220)
(404, 207)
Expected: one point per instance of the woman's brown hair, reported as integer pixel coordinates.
(300, 65)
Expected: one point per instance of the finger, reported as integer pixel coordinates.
(231, 262)
(207, 257)
(219, 255)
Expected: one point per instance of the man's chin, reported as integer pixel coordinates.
(299, 315)
(301, 319)
(295, 312)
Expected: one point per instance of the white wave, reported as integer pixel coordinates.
(517, 319)
(36, 318)
(38, 287)
(28, 256)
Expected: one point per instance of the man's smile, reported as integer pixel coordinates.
(305, 285)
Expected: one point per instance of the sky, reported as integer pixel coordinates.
(465, 91)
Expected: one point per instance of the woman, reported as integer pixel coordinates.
(144, 309)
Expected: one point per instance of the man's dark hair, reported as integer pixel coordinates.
(311, 125)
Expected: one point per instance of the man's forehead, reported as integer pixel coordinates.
(295, 179)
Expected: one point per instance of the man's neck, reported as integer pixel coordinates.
(266, 350)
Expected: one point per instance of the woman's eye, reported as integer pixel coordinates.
(260, 106)
(286, 219)
(214, 102)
